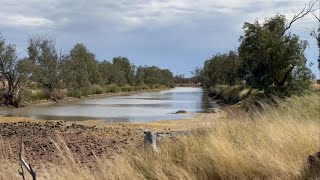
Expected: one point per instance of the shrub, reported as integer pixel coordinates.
(60, 94)
(97, 89)
(74, 93)
(127, 88)
(39, 94)
(111, 88)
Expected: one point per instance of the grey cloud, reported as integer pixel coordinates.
(144, 30)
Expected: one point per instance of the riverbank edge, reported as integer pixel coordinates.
(48, 102)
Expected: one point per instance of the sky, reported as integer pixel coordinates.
(175, 34)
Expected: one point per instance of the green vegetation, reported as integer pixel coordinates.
(45, 74)
(269, 59)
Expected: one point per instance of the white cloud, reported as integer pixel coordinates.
(17, 20)
(126, 15)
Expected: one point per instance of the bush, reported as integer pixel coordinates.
(142, 87)
(111, 88)
(97, 89)
(233, 94)
(39, 94)
(86, 91)
(127, 88)
(60, 94)
(74, 93)
(25, 95)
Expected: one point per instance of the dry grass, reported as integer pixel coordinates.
(269, 145)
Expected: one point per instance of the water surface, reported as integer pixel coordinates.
(139, 107)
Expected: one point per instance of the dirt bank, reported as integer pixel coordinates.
(49, 141)
(46, 102)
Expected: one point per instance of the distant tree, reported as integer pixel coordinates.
(82, 67)
(140, 75)
(220, 69)
(46, 69)
(180, 79)
(166, 77)
(197, 75)
(154, 75)
(106, 72)
(127, 69)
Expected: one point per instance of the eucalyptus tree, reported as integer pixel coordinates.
(273, 60)
(14, 72)
(220, 69)
(82, 68)
(126, 69)
(46, 63)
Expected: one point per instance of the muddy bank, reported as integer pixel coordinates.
(47, 102)
(47, 141)
(52, 141)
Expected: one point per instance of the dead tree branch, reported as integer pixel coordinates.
(318, 18)
(306, 10)
(25, 164)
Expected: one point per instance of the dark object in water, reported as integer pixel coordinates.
(181, 112)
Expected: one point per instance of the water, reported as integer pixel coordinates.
(139, 107)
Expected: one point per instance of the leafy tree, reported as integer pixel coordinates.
(220, 69)
(82, 67)
(180, 79)
(140, 75)
(106, 71)
(154, 75)
(46, 70)
(14, 72)
(197, 75)
(272, 60)
(127, 69)
(166, 77)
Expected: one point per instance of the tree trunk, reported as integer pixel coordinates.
(10, 96)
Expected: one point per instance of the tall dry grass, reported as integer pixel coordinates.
(273, 144)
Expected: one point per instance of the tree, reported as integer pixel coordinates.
(81, 68)
(46, 71)
(105, 68)
(127, 69)
(140, 75)
(220, 69)
(271, 59)
(197, 75)
(166, 77)
(13, 71)
(316, 35)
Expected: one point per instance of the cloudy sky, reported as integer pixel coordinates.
(174, 34)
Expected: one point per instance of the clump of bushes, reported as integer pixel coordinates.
(111, 88)
(127, 88)
(233, 94)
(74, 93)
(97, 89)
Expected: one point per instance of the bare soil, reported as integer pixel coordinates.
(85, 141)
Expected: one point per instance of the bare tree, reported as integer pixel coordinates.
(316, 34)
(25, 164)
(306, 10)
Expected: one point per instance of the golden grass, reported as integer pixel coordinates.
(273, 144)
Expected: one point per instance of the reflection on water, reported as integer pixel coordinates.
(134, 108)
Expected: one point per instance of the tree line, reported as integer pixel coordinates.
(77, 71)
(269, 58)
